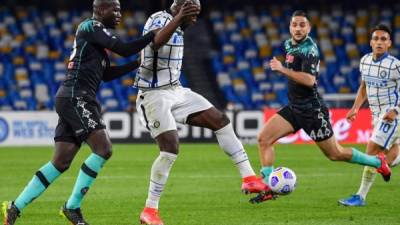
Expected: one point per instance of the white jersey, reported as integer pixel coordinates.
(162, 67)
(382, 79)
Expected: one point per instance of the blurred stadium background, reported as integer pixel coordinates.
(224, 56)
(224, 53)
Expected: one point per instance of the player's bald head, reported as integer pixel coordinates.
(100, 3)
(107, 12)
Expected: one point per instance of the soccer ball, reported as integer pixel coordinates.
(282, 181)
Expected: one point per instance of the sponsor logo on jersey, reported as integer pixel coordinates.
(70, 65)
(289, 58)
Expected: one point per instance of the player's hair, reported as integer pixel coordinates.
(178, 3)
(382, 27)
(300, 13)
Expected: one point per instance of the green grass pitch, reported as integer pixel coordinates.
(203, 188)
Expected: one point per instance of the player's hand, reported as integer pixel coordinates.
(275, 64)
(351, 115)
(262, 197)
(188, 9)
(390, 115)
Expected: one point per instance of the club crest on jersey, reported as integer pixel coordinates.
(107, 32)
(383, 74)
(156, 124)
(289, 58)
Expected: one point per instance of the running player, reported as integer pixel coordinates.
(380, 73)
(306, 109)
(79, 112)
(162, 102)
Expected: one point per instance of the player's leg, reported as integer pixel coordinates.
(393, 156)
(66, 147)
(218, 122)
(42, 179)
(367, 179)
(48, 173)
(369, 173)
(380, 140)
(318, 127)
(100, 144)
(279, 125)
(335, 152)
(85, 120)
(276, 127)
(168, 143)
(155, 112)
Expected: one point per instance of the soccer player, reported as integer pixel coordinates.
(162, 102)
(306, 109)
(79, 112)
(380, 73)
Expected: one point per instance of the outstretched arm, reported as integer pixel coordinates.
(127, 49)
(115, 72)
(101, 36)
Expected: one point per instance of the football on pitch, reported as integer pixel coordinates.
(282, 180)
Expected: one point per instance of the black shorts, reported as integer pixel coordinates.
(314, 121)
(78, 117)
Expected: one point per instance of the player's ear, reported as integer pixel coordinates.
(309, 27)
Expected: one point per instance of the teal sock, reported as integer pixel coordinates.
(42, 179)
(265, 172)
(364, 159)
(87, 175)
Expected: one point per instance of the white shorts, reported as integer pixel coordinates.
(160, 109)
(385, 134)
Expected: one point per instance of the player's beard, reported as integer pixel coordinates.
(110, 22)
(300, 40)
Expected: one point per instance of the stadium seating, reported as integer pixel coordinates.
(249, 39)
(35, 46)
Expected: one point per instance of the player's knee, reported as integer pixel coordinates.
(224, 120)
(105, 153)
(62, 165)
(334, 156)
(171, 147)
(264, 140)
(104, 150)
